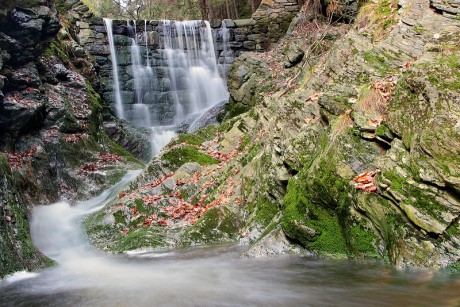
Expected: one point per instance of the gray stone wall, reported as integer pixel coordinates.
(268, 24)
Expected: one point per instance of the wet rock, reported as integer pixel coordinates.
(131, 139)
(243, 78)
(215, 23)
(22, 77)
(273, 244)
(21, 112)
(60, 71)
(186, 170)
(240, 23)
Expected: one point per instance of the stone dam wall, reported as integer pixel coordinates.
(231, 38)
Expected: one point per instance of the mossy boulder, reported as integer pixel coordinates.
(318, 208)
(184, 154)
(218, 224)
(243, 79)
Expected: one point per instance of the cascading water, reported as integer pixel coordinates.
(192, 69)
(119, 108)
(227, 56)
(143, 78)
(175, 85)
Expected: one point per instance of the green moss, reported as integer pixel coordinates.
(245, 142)
(119, 217)
(447, 76)
(237, 109)
(453, 268)
(266, 211)
(56, 49)
(4, 166)
(227, 125)
(313, 226)
(331, 240)
(216, 225)
(418, 28)
(388, 23)
(297, 105)
(378, 62)
(196, 138)
(17, 252)
(362, 240)
(137, 238)
(94, 101)
(62, 6)
(384, 132)
(181, 155)
(317, 208)
(422, 199)
(383, 8)
(117, 149)
(294, 211)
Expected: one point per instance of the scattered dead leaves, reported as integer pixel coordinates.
(19, 159)
(366, 182)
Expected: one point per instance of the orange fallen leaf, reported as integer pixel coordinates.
(314, 97)
(366, 182)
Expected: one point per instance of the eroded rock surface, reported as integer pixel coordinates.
(352, 152)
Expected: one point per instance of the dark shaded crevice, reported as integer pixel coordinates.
(383, 146)
(448, 188)
(292, 171)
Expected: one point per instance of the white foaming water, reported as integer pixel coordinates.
(18, 276)
(56, 231)
(119, 108)
(161, 135)
(143, 78)
(192, 67)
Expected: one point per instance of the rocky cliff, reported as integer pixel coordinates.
(51, 143)
(342, 141)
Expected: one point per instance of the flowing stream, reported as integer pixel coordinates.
(203, 276)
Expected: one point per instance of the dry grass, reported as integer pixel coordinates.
(340, 126)
(372, 103)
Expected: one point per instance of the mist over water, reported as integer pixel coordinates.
(203, 276)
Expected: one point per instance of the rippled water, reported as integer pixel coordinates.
(205, 276)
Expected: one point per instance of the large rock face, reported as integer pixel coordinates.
(352, 152)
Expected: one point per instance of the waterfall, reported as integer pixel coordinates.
(173, 76)
(227, 55)
(192, 67)
(143, 79)
(119, 109)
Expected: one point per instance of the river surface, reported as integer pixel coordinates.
(204, 276)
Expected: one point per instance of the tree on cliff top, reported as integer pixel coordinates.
(173, 9)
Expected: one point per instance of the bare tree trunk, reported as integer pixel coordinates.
(149, 15)
(204, 10)
(236, 9)
(227, 6)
